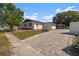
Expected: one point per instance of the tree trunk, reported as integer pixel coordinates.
(11, 28)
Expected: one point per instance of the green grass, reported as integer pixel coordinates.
(23, 34)
(4, 46)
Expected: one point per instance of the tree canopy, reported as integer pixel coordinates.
(10, 15)
(66, 17)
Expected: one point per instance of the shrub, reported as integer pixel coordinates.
(76, 42)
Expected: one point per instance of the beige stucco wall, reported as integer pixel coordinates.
(49, 27)
(74, 27)
(37, 27)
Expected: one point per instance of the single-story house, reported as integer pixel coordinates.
(32, 24)
(74, 27)
(49, 26)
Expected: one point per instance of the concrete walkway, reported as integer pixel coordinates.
(51, 43)
(20, 48)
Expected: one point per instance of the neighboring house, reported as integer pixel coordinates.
(62, 26)
(32, 24)
(4, 27)
(74, 27)
(49, 26)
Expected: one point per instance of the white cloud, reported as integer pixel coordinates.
(70, 8)
(35, 14)
(25, 8)
(33, 17)
(48, 18)
(25, 14)
(58, 10)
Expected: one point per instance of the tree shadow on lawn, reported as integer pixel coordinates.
(71, 51)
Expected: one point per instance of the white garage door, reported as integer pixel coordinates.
(53, 27)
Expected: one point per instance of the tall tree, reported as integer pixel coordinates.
(66, 17)
(12, 15)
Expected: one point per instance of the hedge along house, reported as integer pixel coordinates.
(32, 24)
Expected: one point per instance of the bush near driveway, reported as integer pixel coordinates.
(75, 46)
(23, 34)
(76, 42)
(4, 45)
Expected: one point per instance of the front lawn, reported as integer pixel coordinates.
(23, 34)
(4, 45)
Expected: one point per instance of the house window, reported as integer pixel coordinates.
(25, 24)
(29, 24)
(2, 26)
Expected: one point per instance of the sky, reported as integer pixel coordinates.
(44, 12)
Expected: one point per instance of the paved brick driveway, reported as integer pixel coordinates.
(50, 43)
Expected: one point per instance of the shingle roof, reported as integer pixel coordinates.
(32, 20)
